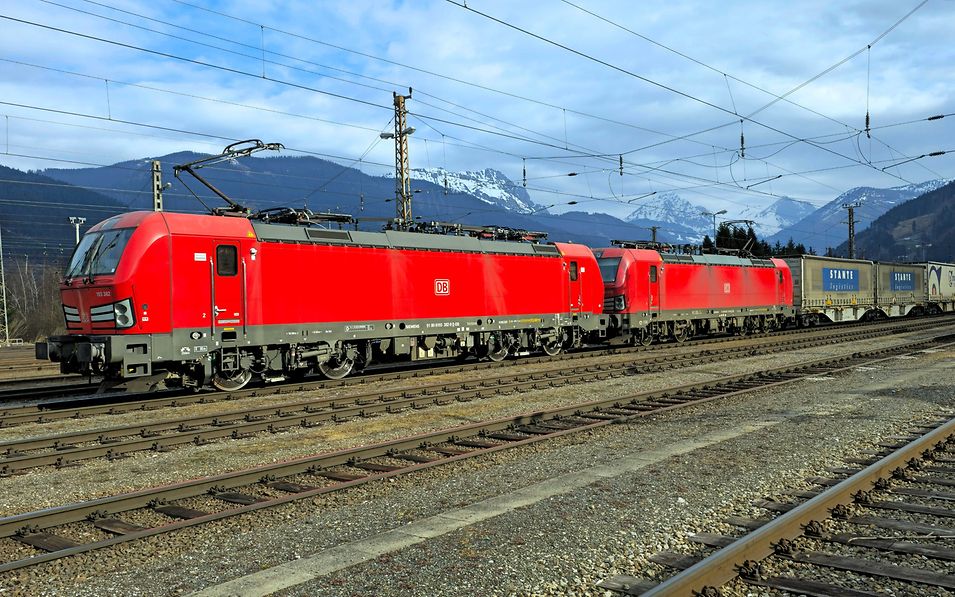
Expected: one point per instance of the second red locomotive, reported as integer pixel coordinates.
(651, 296)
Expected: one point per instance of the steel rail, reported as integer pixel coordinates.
(56, 378)
(646, 362)
(480, 438)
(417, 370)
(274, 418)
(721, 567)
(44, 413)
(64, 387)
(382, 373)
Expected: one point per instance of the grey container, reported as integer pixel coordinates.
(900, 287)
(832, 288)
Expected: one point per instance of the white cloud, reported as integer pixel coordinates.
(774, 45)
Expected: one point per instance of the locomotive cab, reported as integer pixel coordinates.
(90, 277)
(106, 299)
(631, 290)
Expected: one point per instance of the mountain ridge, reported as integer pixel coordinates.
(321, 185)
(920, 229)
(825, 227)
(476, 197)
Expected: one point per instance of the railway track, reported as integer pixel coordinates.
(76, 395)
(895, 504)
(24, 365)
(58, 532)
(22, 361)
(112, 442)
(58, 377)
(85, 405)
(41, 388)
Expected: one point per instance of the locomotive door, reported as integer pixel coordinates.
(228, 287)
(654, 289)
(574, 286)
(779, 288)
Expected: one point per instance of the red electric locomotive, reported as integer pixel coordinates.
(652, 295)
(199, 299)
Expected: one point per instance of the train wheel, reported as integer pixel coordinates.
(336, 368)
(551, 349)
(230, 382)
(646, 339)
(493, 350)
(681, 334)
(497, 353)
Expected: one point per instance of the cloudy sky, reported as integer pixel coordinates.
(556, 87)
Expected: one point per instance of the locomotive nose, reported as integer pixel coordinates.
(96, 309)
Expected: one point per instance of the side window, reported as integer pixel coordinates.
(573, 271)
(227, 260)
(653, 273)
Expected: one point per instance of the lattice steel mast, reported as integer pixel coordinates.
(852, 226)
(403, 217)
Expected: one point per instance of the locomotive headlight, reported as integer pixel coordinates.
(123, 314)
(619, 302)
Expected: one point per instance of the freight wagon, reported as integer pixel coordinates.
(940, 286)
(830, 288)
(900, 288)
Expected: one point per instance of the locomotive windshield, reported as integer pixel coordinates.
(99, 252)
(608, 268)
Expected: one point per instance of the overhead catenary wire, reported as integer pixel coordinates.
(660, 171)
(704, 183)
(778, 98)
(475, 128)
(725, 74)
(285, 82)
(647, 166)
(336, 69)
(443, 133)
(564, 110)
(157, 89)
(428, 72)
(194, 61)
(258, 56)
(538, 189)
(580, 198)
(783, 97)
(647, 80)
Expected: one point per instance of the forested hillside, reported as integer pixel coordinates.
(920, 229)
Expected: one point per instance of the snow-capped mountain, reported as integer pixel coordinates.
(826, 226)
(488, 185)
(670, 208)
(781, 213)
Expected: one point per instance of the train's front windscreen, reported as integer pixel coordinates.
(98, 253)
(608, 268)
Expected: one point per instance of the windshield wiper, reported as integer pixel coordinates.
(91, 256)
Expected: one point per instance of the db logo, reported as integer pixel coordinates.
(442, 287)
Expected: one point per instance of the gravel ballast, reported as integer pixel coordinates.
(561, 544)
